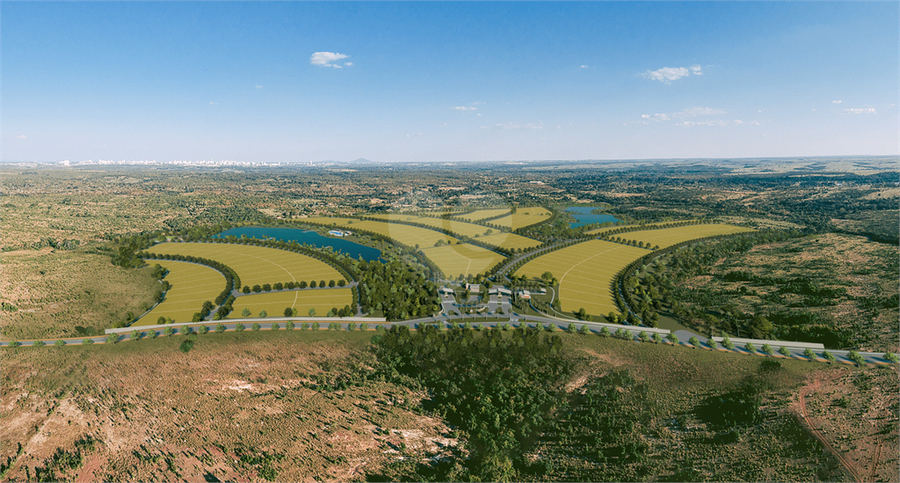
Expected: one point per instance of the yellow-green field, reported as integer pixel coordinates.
(585, 272)
(256, 265)
(482, 214)
(524, 217)
(408, 235)
(463, 259)
(510, 241)
(274, 303)
(670, 236)
(190, 285)
(598, 231)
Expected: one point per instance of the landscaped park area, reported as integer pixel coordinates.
(585, 271)
(190, 284)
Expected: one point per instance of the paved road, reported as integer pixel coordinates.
(514, 320)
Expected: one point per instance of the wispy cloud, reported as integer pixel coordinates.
(514, 125)
(717, 122)
(860, 110)
(689, 112)
(669, 74)
(464, 108)
(837, 102)
(213, 103)
(259, 86)
(21, 136)
(328, 59)
(584, 66)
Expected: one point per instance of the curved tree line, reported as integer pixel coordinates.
(223, 300)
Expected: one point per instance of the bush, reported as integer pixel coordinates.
(112, 338)
(168, 331)
(38, 343)
(255, 327)
(289, 325)
(750, 347)
(672, 338)
(809, 354)
(711, 343)
(245, 312)
(87, 341)
(135, 335)
(727, 344)
(239, 327)
(351, 326)
(767, 349)
(784, 351)
(203, 329)
(263, 314)
(657, 338)
(275, 326)
(288, 312)
(220, 328)
(891, 357)
(315, 326)
(694, 341)
(59, 343)
(829, 357)
(604, 332)
(363, 326)
(857, 358)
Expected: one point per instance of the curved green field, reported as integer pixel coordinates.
(256, 265)
(191, 284)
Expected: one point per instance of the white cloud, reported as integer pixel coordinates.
(21, 136)
(583, 66)
(213, 103)
(836, 102)
(514, 125)
(668, 74)
(689, 112)
(860, 110)
(464, 108)
(258, 86)
(328, 59)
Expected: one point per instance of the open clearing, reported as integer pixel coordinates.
(670, 236)
(524, 217)
(274, 303)
(463, 259)
(482, 214)
(191, 284)
(585, 272)
(256, 265)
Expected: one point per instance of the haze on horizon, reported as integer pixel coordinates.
(461, 81)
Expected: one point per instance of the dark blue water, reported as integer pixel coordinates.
(585, 217)
(304, 236)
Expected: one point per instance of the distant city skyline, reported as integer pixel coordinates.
(303, 82)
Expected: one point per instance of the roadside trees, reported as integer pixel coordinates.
(809, 354)
(289, 325)
(255, 327)
(203, 329)
(275, 326)
(829, 357)
(288, 312)
(168, 331)
(672, 338)
(220, 328)
(694, 341)
(113, 338)
(135, 335)
(59, 343)
(857, 358)
(239, 327)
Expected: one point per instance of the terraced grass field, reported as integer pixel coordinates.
(274, 303)
(191, 284)
(408, 235)
(524, 217)
(482, 214)
(670, 236)
(585, 272)
(256, 265)
(463, 259)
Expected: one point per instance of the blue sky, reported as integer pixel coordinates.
(427, 81)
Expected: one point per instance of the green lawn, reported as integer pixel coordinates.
(463, 259)
(191, 284)
(274, 303)
(524, 217)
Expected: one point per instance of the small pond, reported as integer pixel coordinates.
(309, 237)
(585, 217)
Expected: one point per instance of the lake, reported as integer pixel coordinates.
(305, 236)
(585, 217)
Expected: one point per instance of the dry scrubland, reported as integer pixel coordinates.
(666, 237)
(585, 272)
(274, 303)
(160, 415)
(256, 265)
(463, 259)
(56, 290)
(191, 284)
(523, 217)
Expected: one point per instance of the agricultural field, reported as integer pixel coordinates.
(524, 217)
(671, 236)
(408, 235)
(464, 259)
(482, 214)
(510, 241)
(249, 406)
(585, 272)
(256, 265)
(51, 292)
(598, 231)
(274, 303)
(191, 284)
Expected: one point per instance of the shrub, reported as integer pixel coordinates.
(891, 357)
(135, 335)
(263, 314)
(711, 343)
(694, 341)
(59, 343)
(220, 328)
(767, 349)
(784, 351)
(239, 327)
(829, 357)
(275, 326)
(87, 341)
(857, 358)
(363, 326)
(644, 336)
(161, 320)
(304, 326)
(315, 326)
(255, 327)
(351, 326)
(672, 338)
(727, 344)
(289, 325)
(112, 338)
(245, 312)
(203, 329)
(750, 347)
(809, 354)
(168, 331)
(604, 332)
